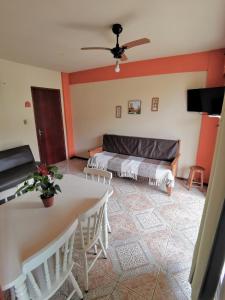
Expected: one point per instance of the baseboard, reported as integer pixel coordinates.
(78, 157)
(182, 178)
(185, 179)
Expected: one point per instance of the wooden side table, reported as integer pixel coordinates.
(192, 176)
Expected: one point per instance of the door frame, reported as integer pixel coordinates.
(35, 117)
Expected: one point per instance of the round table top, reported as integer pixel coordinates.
(26, 226)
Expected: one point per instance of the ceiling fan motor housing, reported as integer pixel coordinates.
(117, 29)
(117, 52)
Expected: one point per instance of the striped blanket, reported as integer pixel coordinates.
(131, 166)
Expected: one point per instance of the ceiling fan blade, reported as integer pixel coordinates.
(124, 57)
(136, 43)
(95, 48)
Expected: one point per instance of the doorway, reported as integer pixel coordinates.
(49, 124)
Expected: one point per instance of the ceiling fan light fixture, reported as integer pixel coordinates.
(117, 66)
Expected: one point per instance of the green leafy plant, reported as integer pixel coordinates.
(43, 181)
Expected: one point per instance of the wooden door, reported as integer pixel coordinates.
(49, 124)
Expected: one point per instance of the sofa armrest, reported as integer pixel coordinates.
(92, 152)
(174, 165)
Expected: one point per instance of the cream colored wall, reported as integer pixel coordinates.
(15, 88)
(94, 112)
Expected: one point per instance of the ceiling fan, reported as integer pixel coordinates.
(119, 51)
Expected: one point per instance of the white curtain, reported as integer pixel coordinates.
(211, 214)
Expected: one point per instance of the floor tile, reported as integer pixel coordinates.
(122, 226)
(143, 284)
(182, 281)
(157, 242)
(168, 289)
(136, 202)
(178, 217)
(114, 205)
(178, 253)
(131, 258)
(148, 220)
(123, 293)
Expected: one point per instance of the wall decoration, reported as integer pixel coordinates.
(155, 104)
(134, 107)
(118, 111)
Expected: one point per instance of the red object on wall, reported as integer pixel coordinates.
(27, 103)
(210, 61)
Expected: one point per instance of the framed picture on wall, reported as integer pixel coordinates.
(134, 107)
(118, 111)
(155, 104)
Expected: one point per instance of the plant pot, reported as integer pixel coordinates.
(48, 201)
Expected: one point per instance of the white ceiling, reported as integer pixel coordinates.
(50, 33)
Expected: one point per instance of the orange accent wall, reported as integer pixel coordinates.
(166, 65)
(68, 114)
(209, 126)
(210, 61)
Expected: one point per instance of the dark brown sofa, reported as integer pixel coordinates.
(15, 165)
(151, 148)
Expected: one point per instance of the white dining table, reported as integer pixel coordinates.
(26, 226)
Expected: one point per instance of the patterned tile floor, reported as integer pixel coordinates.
(151, 244)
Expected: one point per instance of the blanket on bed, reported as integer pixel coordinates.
(131, 166)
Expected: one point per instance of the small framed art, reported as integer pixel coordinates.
(155, 104)
(134, 107)
(118, 111)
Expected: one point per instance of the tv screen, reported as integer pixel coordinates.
(208, 100)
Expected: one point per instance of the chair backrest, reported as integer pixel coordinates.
(45, 271)
(101, 176)
(90, 223)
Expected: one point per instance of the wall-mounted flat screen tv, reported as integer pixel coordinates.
(208, 100)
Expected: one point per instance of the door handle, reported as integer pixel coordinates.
(40, 132)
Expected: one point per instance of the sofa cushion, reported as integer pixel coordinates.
(14, 176)
(15, 157)
(151, 148)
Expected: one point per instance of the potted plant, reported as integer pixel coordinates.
(43, 180)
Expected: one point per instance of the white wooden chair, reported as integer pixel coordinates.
(104, 177)
(89, 235)
(45, 272)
